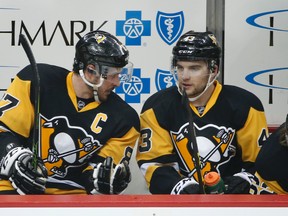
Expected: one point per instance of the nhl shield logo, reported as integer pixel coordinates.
(164, 79)
(170, 26)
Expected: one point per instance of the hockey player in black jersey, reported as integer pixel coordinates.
(87, 132)
(229, 122)
(271, 160)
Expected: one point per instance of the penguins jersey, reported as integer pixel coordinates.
(229, 132)
(270, 162)
(70, 138)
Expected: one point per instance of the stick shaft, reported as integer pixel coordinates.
(35, 139)
(192, 138)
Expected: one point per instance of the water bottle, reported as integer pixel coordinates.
(213, 183)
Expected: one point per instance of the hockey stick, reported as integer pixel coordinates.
(192, 137)
(35, 139)
(223, 140)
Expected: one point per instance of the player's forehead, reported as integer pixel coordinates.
(191, 63)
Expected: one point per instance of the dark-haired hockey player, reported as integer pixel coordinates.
(87, 132)
(229, 122)
(271, 160)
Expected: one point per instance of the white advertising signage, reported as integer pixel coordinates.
(256, 52)
(149, 29)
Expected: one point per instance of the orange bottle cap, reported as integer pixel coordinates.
(211, 178)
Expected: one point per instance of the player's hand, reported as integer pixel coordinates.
(17, 165)
(239, 183)
(108, 180)
(186, 186)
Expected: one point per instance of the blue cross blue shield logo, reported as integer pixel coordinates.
(135, 87)
(133, 28)
(164, 79)
(170, 26)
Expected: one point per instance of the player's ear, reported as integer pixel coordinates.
(214, 71)
(213, 67)
(90, 68)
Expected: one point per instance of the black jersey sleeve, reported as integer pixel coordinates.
(270, 162)
(156, 156)
(163, 180)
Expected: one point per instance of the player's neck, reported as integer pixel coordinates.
(203, 100)
(82, 90)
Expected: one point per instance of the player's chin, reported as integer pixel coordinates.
(188, 89)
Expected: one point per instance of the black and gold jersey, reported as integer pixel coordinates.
(230, 131)
(270, 162)
(70, 137)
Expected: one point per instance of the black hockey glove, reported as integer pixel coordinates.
(17, 166)
(105, 179)
(186, 186)
(239, 183)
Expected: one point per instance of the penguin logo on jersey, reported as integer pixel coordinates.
(64, 145)
(214, 150)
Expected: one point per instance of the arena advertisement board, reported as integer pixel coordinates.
(256, 52)
(148, 211)
(148, 28)
(156, 205)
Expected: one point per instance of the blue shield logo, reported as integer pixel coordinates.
(164, 79)
(170, 26)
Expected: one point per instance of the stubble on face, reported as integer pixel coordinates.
(194, 86)
(104, 91)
